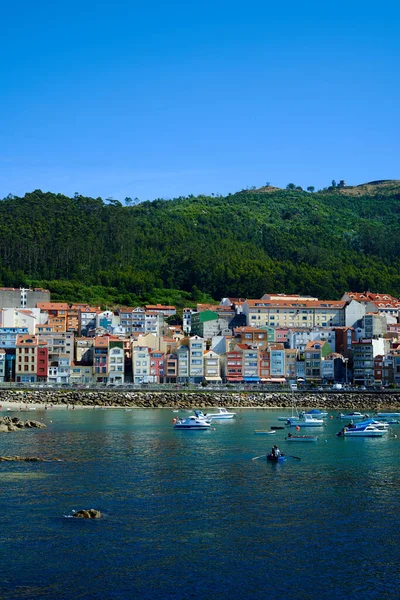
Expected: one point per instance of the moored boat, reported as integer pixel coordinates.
(264, 432)
(221, 414)
(316, 413)
(368, 431)
(353, 415)
(301, 438)
(191, 423)
(308, 421)
(387, 415)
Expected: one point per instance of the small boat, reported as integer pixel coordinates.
(222, 414)
(264, 432)
(293, 418)
(191, 423)
(276, 427)
(316, 413)
(309, 421)
(368, 431)
(384, 415)
(353, 415)
(273, 458)
(301, 438)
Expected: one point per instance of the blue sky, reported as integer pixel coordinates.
(162, 99)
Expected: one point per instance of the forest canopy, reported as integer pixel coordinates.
(193, 249)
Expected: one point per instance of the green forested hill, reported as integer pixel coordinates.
(245, 244)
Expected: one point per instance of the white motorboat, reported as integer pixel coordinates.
(222, 414)
(368, 431)
(308, 421)
(191, 422)
(292, 418)
(352, 415)
(264, 432)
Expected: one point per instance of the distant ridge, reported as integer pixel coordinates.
(380, 186)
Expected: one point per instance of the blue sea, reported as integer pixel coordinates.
(189, 514)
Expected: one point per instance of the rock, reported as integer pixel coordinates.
(21, 458)
(88, 514)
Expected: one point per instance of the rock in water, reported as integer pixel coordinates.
(88, 514)
(21, 458)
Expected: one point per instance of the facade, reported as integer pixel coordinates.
(196, 364)
(364, 352)
(157, 363)
(187, 320)
(232, 366)
(31, 362)
(182, 354)
(294, 312)
(116, 362)
(100, 365)
(2, 365)
(22, 297)
(258, 337)
(212, 369)
(141, 372)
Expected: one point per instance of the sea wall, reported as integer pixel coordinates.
(203, 399)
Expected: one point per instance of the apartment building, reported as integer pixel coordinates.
(100, 365)
(116, 362)
(157, 364)
(364, 353)
(232, 366)
(212, 367)
(22, 297)
(31, 359)
(141, 372)
(288, 312)
(196, 364)
(258, 337)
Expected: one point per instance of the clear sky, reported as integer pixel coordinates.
(167, 98)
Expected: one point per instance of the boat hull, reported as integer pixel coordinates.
(263, 432)
(302, 438)
(377, 433)
(192, 427)
(275, 459)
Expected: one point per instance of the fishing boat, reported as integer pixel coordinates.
(368, 431)
(308, 421)
(264, 432)
(221, 414)
(191, 423)
(301, 438)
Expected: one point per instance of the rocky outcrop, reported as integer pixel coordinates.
(87, 514)
(204, 399)
(14, 423)
(21, 459)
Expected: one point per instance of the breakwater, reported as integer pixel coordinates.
(203, 399)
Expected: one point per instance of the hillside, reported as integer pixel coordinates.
(245, 244)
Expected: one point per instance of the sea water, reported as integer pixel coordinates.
(189, 514)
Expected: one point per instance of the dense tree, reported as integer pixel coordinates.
(195, 249)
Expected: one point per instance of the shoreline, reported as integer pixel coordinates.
(20, 400)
